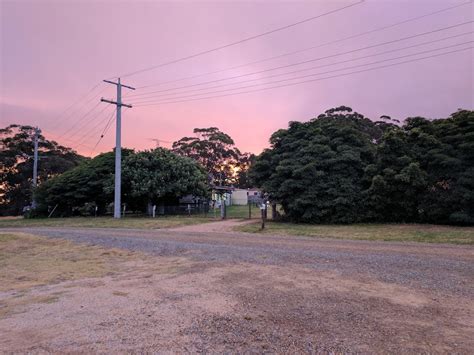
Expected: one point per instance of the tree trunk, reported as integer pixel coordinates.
(274, 211)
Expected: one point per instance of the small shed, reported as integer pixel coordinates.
(222, 194)
(245, 196)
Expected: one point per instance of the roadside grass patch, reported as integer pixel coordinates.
(133, 222)
(242, 211)
(28, 261)
(107, 222)
(425, 233)
(17, 305)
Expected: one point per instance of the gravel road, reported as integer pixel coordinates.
(301, 294)
(446, 268)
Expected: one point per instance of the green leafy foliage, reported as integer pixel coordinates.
(315, 169)
(16, 165)
(88, 183)
(150, 176)
(160, 175)
(342, 168)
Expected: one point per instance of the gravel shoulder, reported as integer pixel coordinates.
(221, 291)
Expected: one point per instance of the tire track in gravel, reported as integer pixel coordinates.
(438, 267)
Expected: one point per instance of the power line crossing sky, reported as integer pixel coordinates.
(54, 53)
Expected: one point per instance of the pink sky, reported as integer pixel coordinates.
(53, 52)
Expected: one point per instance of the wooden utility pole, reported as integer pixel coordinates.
(35, 166)
(118, 143)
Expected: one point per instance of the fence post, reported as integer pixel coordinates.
(223, 211)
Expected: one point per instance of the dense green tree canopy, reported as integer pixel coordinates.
(16, 165)
(160, 175)
(90, 182)
(150, 176)
(342, 167)
(315, 169)
(424, 171)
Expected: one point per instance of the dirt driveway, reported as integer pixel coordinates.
(221, 291)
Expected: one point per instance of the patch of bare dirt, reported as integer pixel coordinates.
(298, 310)
(145, 308)
(10, 218)
(220, 226)
(174, 304)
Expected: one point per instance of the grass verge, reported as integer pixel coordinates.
(237, 211)
(129, 221)
(106, 222)
(384, 232)
(28, 261)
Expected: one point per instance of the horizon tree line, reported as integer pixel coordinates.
(339, 167)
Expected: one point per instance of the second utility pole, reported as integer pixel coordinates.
(118, 144)
(35, 166)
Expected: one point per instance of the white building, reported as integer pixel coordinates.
(242, 196)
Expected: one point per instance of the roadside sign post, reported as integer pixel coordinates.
(263, 213)
(250, 205)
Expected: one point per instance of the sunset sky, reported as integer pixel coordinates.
(54, 52)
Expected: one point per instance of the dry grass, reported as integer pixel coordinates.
(28, 261)
(16, 304)
(385, 232)
(106, 222)
(238, 212)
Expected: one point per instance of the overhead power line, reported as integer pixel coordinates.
(77, 123)
(74, 103)
(62, 117)
(88, 133)
(313, 59)
(86, 122)
(151, 94)
(53, 135)
(79, 120)
(321, 73)
(84, 104)
(241, 41)
(302, 70)
(309, 81)
(360, 34)
(326, 72)
(106, 128)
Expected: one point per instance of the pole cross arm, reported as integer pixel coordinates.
(115, 103)
(125, 86)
